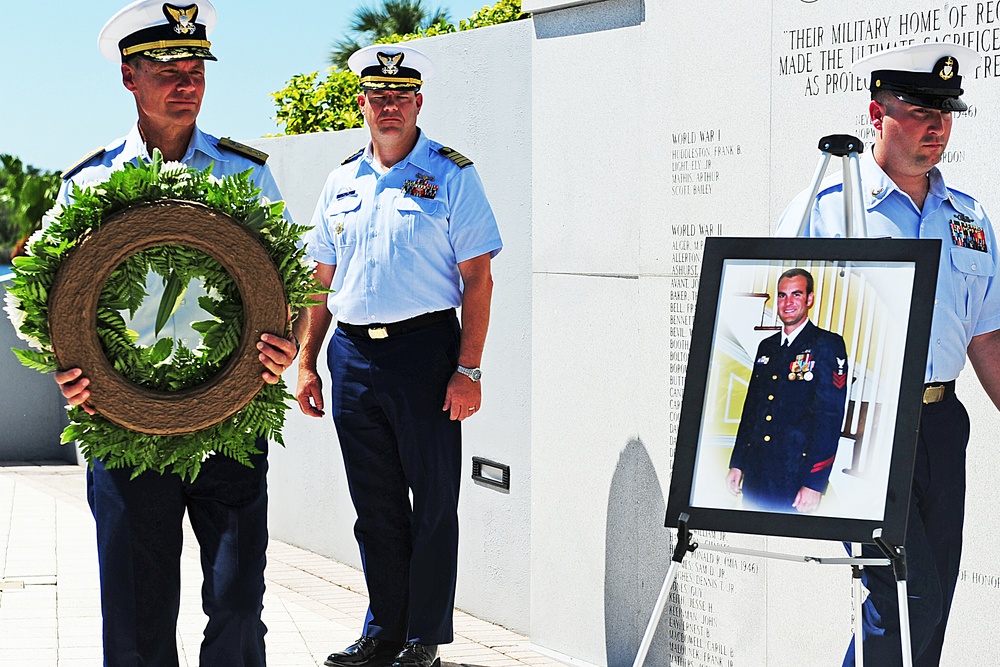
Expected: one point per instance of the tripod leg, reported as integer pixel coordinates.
(850, 194)
(904, 623)
(684, 545)
(654, 620)
(858, 221)
(859, 649)
(817, 180)
(897, 556)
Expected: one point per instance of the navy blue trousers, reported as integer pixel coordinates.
(139, 539)
(933, 546)
(395, 439)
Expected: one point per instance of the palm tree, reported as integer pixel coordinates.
(394, 17)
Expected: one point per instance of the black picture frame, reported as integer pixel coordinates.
(886, 287)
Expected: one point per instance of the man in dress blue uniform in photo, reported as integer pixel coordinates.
(161, 49)
(794, 409)
(404, 235)
(915, 91)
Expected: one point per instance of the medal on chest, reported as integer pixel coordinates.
(801, 368)
(421, 187)
(965, 234)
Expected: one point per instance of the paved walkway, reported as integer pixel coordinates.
(50, 609)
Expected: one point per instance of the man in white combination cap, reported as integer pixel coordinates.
(404, 234)
(161, 50)
(914, 92)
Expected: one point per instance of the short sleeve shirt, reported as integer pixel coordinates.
(967, 300)
(397, 237)
(202, 152)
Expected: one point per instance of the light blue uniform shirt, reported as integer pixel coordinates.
(202, 152)
(966, 302)
(396, 252)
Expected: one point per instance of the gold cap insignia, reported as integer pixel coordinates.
(948, 70)
(182, 18)
(390, 63)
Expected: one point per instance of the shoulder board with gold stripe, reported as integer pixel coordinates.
(249, 152)
(81, 163)
(354, 156)
(455, 156)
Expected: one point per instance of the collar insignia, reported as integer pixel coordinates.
(390, 63)
(182, 18)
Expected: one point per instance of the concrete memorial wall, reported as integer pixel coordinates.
(656, 125)
(613, 137)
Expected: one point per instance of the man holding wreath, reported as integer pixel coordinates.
(162, 49)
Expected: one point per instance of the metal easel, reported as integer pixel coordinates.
(847, 148)
(895, 556)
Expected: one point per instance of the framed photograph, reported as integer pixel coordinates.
(804, 386)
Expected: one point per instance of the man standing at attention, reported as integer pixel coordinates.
(161, 50)
(915, 90)
(790, 426)
(403, 234)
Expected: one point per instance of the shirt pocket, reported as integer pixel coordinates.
(971, 273)
(342, 219)
(414, 221)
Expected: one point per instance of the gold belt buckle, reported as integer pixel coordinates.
(378, 333)
(934, 394)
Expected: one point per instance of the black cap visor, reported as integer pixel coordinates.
(929, 100)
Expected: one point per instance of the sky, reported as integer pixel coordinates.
(60, 99)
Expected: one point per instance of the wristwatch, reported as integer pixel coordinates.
(473, 374)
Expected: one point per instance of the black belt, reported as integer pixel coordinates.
(935, 392)
(379, 331)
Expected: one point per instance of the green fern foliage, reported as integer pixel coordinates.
(168, 365)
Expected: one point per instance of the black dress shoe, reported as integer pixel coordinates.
(366, 652)
(418, 655)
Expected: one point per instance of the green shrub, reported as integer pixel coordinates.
(503, 11)
(307, 104)
(26, 193)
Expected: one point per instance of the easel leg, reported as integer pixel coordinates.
(684, 544)
(859, 632)
(898, 557)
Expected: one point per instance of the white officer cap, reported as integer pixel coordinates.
(922, 74)
(160, 31)
(390, 67)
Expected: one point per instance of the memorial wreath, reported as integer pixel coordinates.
(212, 229)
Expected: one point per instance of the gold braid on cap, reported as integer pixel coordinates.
(166, 44)
(390, 81)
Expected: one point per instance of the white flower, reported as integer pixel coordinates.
(50, 216)
(175, 172)
(16, 314)
(92, 186)
(36, 236)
